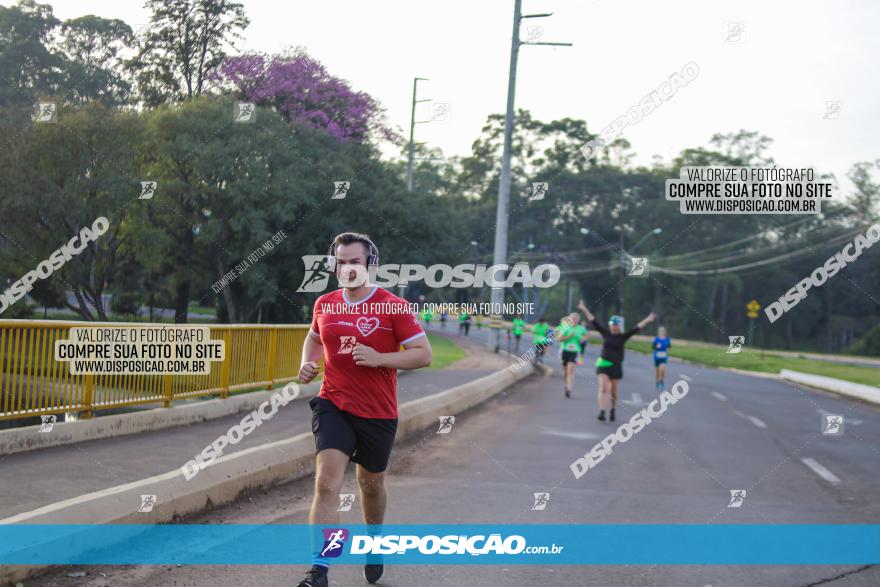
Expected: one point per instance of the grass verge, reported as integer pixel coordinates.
(445, 351)
(766, 362)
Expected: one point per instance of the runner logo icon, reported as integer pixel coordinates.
(539, 190)
(833, 425)
(737, 496)
(147, 503)
(245, 112)
(334, 539)
(541, 501)
(317, 274)
(446, 423)
(44, 112)
(48, 422)
(736, 344)
(340, 189)
(346, 345)
(346, 500)
(639, 267)
(148, 190)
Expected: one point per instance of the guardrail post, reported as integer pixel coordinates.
(273, 345)
(168, 391)
(227, 359)
(87, 400)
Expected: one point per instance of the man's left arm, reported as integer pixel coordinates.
(416, 351)
(415, 355)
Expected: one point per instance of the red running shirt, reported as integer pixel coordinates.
(382, 321)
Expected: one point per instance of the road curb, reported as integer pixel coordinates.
(236, 474)
(867, 393)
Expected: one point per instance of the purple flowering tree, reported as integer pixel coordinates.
(300, 88)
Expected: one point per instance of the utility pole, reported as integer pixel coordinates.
(622, 275)
(499, 256)
(623, 256)
(412, 132)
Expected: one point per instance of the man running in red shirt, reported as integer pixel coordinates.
(358, 329)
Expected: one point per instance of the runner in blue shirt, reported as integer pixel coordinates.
(661, 346)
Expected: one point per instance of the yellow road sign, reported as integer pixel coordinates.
(753, 306)
(752, 314)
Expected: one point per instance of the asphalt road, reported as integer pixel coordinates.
(730, 432)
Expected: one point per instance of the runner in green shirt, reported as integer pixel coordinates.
(582, 340)
(569, 337)
(518, 326)
(427, 316)
(539, 335)
(464, 323)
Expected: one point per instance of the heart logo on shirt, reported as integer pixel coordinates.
(366, 326)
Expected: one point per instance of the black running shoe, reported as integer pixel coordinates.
(602, 415)
(567, 393)
(611, 415)
(314, 578)
(373, 573)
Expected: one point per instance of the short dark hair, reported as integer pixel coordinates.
(348, 238)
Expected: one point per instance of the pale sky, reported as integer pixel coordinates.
(791, 59)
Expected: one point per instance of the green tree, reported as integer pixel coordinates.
(28, 68)
(60, 178)
(186, 40)
(92, 49)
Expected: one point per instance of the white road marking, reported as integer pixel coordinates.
(756, 422)
(635, 401)
(821, 471)
(686, 378)
(567, 434)
(720, 396)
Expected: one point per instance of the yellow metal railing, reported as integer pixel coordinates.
(33, 383)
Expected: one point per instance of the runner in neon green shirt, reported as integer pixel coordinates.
(464, 323)
(518, 326)
(427, 316)
(539, 335)
(569, 337)
(583, 337)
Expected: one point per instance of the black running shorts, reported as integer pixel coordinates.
(367, 441)
(569, 357)
(613, 372)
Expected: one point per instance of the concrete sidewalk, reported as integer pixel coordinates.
(37, 478)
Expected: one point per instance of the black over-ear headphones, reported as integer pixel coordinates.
(372, 258)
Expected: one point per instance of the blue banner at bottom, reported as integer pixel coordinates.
(493, 544)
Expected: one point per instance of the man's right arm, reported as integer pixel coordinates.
(313, 349)
(312, 352)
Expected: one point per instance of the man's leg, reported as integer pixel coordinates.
(373, 496)
(603, 390)
(569, 375)
(375, 442)
(329, 472)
